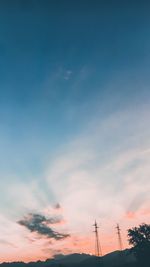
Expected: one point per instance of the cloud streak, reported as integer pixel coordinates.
(40, 224)
(107, 164)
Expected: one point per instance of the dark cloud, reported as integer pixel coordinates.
(40, 224)
(38, 218)
(57, 206)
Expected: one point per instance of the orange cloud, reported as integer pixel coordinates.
(130, 215)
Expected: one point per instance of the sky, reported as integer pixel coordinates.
(74, 125)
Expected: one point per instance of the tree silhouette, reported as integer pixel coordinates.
(139, 237)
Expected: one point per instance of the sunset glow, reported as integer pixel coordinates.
(74, 129)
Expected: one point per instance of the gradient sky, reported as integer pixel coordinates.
(74, 124)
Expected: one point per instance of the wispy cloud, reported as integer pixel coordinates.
(104, 173)
(67, 74)
(7, 243)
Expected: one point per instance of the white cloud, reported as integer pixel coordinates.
(101, 174)
(102, 171)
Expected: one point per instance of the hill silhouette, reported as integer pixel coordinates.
(116, 258)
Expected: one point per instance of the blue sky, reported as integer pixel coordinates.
(74, 96)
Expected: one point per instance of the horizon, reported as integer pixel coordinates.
(74, 131)
(61, 256)
(53, 257)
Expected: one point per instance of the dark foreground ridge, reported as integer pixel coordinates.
(114, 259)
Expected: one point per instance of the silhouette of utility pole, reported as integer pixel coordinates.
(119, 237)
(98, 250)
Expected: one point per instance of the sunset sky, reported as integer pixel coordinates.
(74, 124)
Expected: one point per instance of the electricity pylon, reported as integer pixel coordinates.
(98, 250)
(119, 238)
